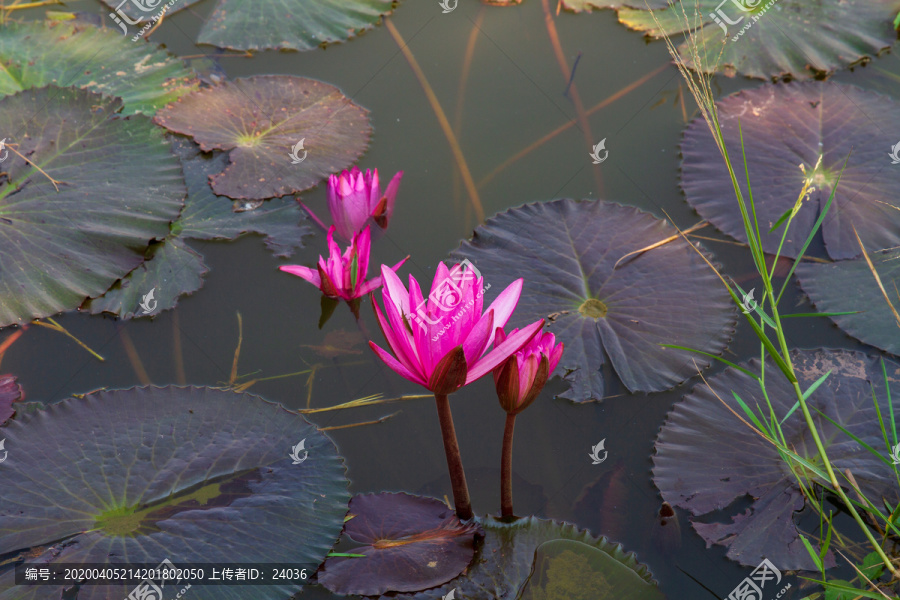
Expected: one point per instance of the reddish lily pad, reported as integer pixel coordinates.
(567, 252)
(259, 120)
(410, 542)
(848, 286)
(700, 426)
(10, 392)
(785, 126)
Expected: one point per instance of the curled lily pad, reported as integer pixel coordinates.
(10, 392)
(259, 120)
(115, 186)
(848, 286)
(143, 75)
(173, 268)
(506, 558)
(770, 38)
(188, 474)
(747, 466)
(410, 542)
(297, 24)
(567, 253)
(784, 127)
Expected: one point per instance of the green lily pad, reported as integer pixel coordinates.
(259, 120)
(567, 253)
(60, 53)
(119, 187)
(173, 268)
(780, 37)
(701, 426)
(297, 24)
(144, 10)
(589, 5)
(848, 285)
(785, 126)
(506, 559)
(189, 474)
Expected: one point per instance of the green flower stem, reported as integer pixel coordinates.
(506, 497)
(454, 460)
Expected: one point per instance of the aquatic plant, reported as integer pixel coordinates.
(343, 275)
(355, 200)
(518, 382)
(441, 341)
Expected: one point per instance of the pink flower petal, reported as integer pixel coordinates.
(502, 351)
(306, 273)
(399, 341)
(506, 303)
(478, 337)
(395, 366)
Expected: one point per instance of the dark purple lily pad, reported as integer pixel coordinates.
(785, 126)
(566, 251)
(259, 120)
(848, 285)
(189, 474)
(700, 427)
(411, 543)
(10, 392)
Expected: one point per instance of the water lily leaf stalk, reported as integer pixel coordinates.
(701, 89)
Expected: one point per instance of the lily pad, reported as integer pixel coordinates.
(700, 426)
(259, 120)
(567, 252)
(772, 38)
(589, 5)
(505, 562)
(119, 186)
(297, 24)
(173, 268)
(143, 75)
(189, 474)
(785, 126)
(10, 392)
(848, 285)
(410, 542)
(144, 10)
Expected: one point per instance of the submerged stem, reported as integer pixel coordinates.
(454, 460)
(506, 498)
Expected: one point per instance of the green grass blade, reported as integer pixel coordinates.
(713, 356)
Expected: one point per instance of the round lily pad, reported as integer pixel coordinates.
(193, 475)
(770, 38)
(297, 24)
(513, 559)
(173, 268)
(411, 543)
(115, 186)
(848, 286)
(260, 120)
(101, 60)
(567, 251)
(785, 126)
(700, 427)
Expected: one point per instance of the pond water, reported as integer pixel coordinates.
(495, 74)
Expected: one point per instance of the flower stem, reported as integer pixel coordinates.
(506, 498)
(454, 460)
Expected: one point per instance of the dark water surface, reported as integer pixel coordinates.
(513, 97)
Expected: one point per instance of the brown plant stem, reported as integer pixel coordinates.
(454, 460)
(506, 498)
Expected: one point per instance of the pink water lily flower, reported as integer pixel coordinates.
(355, 200)
(522, 377)
(343, 275)
(440, 342)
